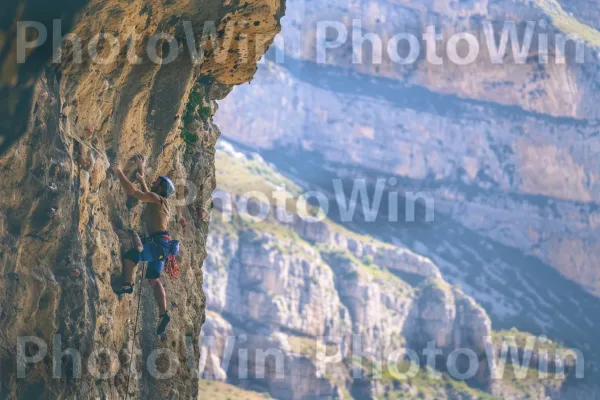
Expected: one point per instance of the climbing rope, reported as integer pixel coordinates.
(135, 332)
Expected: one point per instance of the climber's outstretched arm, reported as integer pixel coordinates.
(131, 190)
(140, 175)
(142, 180)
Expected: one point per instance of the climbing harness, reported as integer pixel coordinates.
(171, 265)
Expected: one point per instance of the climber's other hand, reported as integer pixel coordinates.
(115, 167)
(140, 161)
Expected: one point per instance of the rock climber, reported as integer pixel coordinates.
(156, 246)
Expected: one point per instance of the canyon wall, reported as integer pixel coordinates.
(305, 309)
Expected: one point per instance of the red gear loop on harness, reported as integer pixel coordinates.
(171, 267)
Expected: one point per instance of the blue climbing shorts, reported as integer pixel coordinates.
(156, 251)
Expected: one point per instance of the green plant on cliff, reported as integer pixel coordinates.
(435, 283)
(427, 386)
(241, 175)
(568, 23)
(522, 339)
(366, 266)
(188, 137)
(195, 109)
(223, 391)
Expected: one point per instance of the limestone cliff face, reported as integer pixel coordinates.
(557, 89)
(513, 174)
(446, 316)
(63, 211)
(280, 290)
(495, 143)
(265, 283)
(270, 293)
(283, 286)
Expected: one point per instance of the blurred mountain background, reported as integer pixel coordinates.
(508, 153)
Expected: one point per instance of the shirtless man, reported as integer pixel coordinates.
(156, 247)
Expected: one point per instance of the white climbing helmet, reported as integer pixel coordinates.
(168, 185)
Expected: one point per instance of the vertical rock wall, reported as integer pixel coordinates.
(63, 211)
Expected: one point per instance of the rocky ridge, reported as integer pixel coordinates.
(493, 143)
(514, 183)
(280, 288)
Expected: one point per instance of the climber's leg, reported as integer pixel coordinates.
(128, 268)
(161, 300)
(159, 295)
(153, 271)
(131, 258)
(153, 274)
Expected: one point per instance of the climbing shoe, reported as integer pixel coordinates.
(126, 288)
(162, 325)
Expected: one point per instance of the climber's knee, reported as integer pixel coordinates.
(129, 263)
(132, 255)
